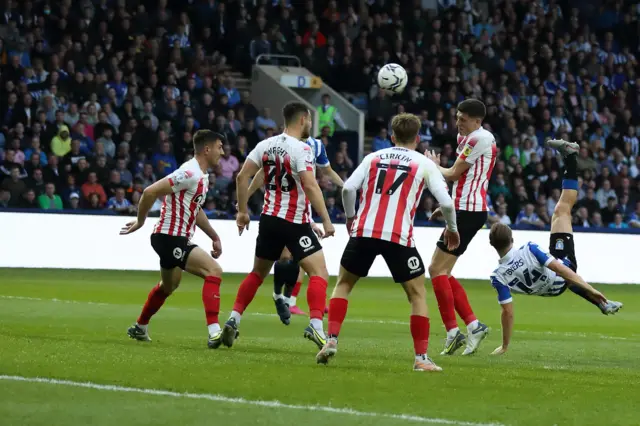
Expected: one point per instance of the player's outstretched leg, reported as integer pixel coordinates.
(338, 305)
(476, 331)
(157, 296)
(562, 245)
(316, 267)
(201, 264)
(246, 293)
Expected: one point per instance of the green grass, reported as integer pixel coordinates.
(568, 365)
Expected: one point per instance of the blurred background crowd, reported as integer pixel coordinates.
(101, 98)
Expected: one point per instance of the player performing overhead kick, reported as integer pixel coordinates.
(287, 272)
(471, 172)
(392, 181)
(288, 166)
(185, 191)
(530, 270)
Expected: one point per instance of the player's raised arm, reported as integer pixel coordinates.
(250, 168)
(175, 182)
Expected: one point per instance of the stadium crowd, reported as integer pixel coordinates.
(101, 98)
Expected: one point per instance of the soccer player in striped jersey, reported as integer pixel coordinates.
(287, 272)
(392, 181)
(470, 173)
(184, 193)
(288, 166)
(531, 270)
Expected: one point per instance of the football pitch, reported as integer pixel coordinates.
(65, 359)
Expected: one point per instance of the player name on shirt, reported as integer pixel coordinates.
(282, 159)
(180, 209)
(478, 149)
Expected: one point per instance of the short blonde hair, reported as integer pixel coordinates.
(405, 128)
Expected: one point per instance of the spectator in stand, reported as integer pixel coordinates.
(381, 141)
(264, 122)
(610, 211)
(50, 200)
(328, 116)
(92, 187)
(164, 161)
(29, 200)
(119, 203)
(528, 217)
(5, 198)
(228, 164)
(14, 185)
(61, 143)
(618, 222)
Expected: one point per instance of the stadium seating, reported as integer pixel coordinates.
(131, 85)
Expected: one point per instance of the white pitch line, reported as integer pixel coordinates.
(348, 320)
(243, 401)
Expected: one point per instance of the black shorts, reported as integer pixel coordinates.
(469, 223)
(404, 262)
(561, 246)
(274, 234)
(173, 251)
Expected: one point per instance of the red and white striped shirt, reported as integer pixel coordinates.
(478, 149)
(180, 209)
(283, 158)
(392, 181)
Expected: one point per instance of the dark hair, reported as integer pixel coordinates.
(204, 137)
(292, 110)
(500, 236)
(474, 108)
(405, 128)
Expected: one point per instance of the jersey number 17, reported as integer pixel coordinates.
(390, 177)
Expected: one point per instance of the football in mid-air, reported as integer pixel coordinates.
(392, 77)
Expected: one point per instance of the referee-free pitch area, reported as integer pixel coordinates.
(65, 359)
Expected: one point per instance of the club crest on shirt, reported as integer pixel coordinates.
(182, 175)
(559, 244)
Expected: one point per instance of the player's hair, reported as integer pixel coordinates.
(204, 137)
(474, 108)
(292, 111)
(405, 128)
(500, 236)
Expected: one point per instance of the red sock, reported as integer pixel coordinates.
(420, 333)
(211, 299)
(296, 289)
(317, 297)
(461, 301)
(337, 313)
(154, 302)
(247, 292)
(444, 295)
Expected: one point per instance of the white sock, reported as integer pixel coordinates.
(213, 328)
(420, 358)
(453, 332)
(472, 325)
(278, 296)
(292, 301)
(236, 316)
(143, 326)
(318, 326)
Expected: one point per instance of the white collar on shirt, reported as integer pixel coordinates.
(507, 257)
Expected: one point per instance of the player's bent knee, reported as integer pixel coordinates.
(562, 209)
(213, 270)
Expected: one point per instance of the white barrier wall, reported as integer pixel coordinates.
(92, 242)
